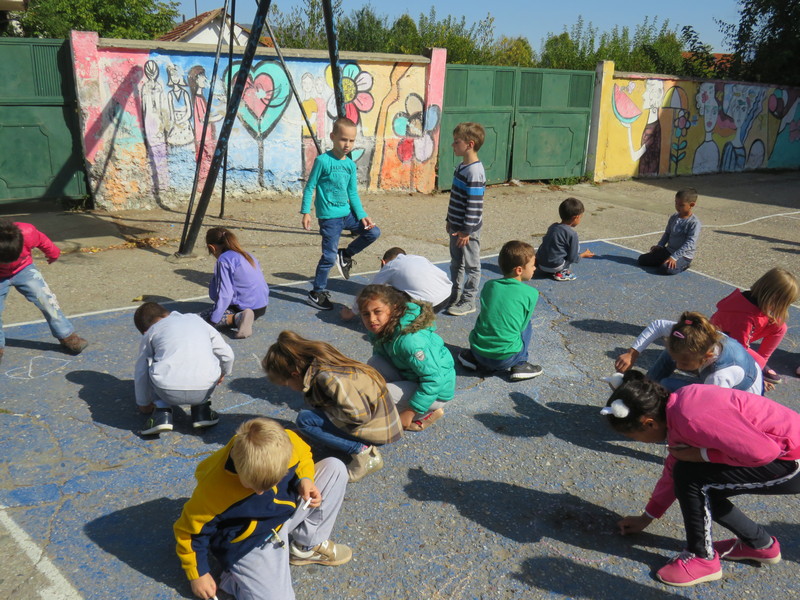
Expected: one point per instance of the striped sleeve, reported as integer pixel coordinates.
(465, 212)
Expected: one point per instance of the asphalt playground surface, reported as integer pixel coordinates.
(513, 494)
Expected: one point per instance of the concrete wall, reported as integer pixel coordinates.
(142, 106)
(657, 125)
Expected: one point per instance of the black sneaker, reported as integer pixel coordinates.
(203, 416)
(320, 300)
(525, 371)
(159, 420)
(467, 359)
(344, 263)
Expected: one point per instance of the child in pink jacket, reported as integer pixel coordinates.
(721, 442)
(17, 270)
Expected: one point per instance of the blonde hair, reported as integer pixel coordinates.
(261, 453)
(225, 238)
(293, 353)
(470, 132)
(774, 292)
(692, 335)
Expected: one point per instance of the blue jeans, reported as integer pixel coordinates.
(503, 364)
(331, 230)
(662, 369)
(30, 283)
(315, 425)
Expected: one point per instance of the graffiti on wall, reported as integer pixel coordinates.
(669, 127)
(168, 97)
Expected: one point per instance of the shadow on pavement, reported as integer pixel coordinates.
(529, 516)
(576, 424)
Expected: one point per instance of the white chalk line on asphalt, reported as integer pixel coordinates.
(304, 282)
(59, 587)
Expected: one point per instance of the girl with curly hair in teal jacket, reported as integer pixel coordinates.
(407, 351)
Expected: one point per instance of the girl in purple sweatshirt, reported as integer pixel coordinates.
(237, 288)
(722, 443)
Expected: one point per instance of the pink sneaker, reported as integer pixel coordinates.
(736, 549)
(687, 569)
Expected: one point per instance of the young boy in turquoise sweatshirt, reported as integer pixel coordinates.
(338, 207)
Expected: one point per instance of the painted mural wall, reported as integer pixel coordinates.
(656, 126)
(142, 112)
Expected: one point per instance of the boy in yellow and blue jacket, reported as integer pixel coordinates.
(257, 509)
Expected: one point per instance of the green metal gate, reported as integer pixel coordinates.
(536, 120)
(40, 152)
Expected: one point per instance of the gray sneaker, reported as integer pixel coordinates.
(524, 371)
(461, 308)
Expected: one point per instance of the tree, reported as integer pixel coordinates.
(126, 19)
(766, 41)
(304, 26)
(513, 52)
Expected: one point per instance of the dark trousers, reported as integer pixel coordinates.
(703, 490)
(657, 257)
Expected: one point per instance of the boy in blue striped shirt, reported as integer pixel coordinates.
(465, 218)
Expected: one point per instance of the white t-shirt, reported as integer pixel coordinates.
(416, 276)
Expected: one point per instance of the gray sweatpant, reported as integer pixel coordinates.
(465, 263)
(263, 573)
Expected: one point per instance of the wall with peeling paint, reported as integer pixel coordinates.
(142, 106)
(655, 125)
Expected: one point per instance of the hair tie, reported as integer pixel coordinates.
(688, 322)
(678, 334)
(618, 409)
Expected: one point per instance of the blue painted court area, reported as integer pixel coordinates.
(514, 494)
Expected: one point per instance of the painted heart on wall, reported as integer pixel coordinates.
(265, 98)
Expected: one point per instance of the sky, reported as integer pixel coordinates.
(533, 20)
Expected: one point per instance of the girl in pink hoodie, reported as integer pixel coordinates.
(759, 314)
(722, 443)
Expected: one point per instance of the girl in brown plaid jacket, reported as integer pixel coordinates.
(351, 410)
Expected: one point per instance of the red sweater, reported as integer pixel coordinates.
(31, 238)
(739, 318)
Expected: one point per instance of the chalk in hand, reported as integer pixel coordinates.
(307, 503)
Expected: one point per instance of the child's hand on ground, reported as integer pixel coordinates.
(146, 410)
(670, 263)
(686, 453)
(407, 417)
(367, 223)
(625, 361)
(346, 314)
(587, 254)
(633, 524)
(307, 489)
(463, 238)
(306, 221)
(204, 586)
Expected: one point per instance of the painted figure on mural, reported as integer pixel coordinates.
(198, 89)
(784, 105)
(180, 109)
(650, 150)
(155, 114)
(742, 103)
(706, 157)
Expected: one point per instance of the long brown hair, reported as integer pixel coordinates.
(692, 335)
(225, 238)
(293, 353)
(391, 297)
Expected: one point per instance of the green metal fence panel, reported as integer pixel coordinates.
(484, 95)
(40, 153)
(537, 120)
(551, 125)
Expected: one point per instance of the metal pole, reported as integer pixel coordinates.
(227, 125)
(205, 130)
(333, 51)
(227, 99)
(291, 85)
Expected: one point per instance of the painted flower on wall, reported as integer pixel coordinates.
(416, 126)
(356, 86)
